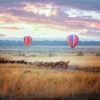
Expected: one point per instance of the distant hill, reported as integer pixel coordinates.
(47, 43)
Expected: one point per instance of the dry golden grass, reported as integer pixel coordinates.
(88, 60)
(21, 82)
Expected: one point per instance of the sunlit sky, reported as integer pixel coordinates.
(49, 18)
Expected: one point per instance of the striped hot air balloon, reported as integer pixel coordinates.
(27, 40)
(73, 40)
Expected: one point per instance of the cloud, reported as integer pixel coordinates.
(91, 33)
(12, 28)
(77, 4)
(59, 15)
(60, 20)
(41, 9)
(2, 35)
(84, 23)
(82, 13)
(93, 5)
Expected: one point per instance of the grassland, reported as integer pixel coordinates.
(26, 82)
(87, 60)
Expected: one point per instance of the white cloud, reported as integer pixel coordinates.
(46, 10)
(81, 13)
(1, 15)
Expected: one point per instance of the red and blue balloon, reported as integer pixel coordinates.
(27, 40)
(72, 40)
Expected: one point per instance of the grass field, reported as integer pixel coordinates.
(88, 60)
(19, 81)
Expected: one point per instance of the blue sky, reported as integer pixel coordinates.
(50, 18)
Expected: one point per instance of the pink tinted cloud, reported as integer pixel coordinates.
(9, 18)
(94, 24)
(91, 33)
(86, 23)
(12, 28)
(41, 9)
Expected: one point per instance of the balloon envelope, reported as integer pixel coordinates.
(73, 40)
(27, 40)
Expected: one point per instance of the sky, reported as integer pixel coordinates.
(50, 18)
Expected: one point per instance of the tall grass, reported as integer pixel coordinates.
(24, 83)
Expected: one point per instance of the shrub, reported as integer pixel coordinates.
(80, 53)
(98, 54)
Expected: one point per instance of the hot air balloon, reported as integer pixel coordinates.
(73, 40)
(27, 40)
